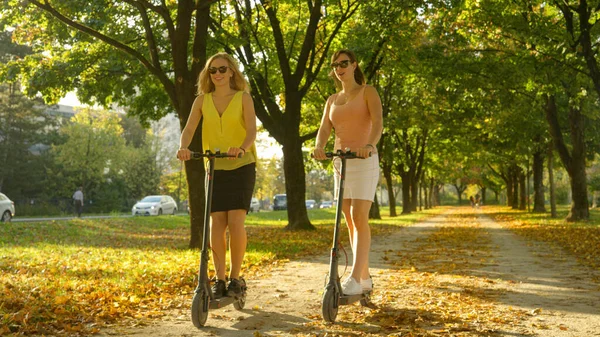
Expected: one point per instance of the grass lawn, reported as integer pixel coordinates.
(72, 277)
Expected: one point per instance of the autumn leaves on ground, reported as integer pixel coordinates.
(75, 278)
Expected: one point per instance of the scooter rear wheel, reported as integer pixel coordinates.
(240, 302)
(330, 305)
(200, 309)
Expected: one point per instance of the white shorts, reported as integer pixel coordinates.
(362, 176)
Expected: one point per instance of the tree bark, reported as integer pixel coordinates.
(551, 181)
(522, 190)
(406, 207)
(538, 185)
(295, 184)
(515, 178)
(509, 186)
(374, 212)
(574, 160)
(459, 191)
(387, 174)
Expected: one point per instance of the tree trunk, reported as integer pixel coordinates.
(406, 207)
(459, 191)
(483, 195)
(414, 193)
(515, 178)
(295, 184)
(374, 212)
(509, 187)
(425, 189)
(522, 191)
(538, 185)
(574, 161)
(195, 175)
(551, 182)
(387, 174)
(436, 195)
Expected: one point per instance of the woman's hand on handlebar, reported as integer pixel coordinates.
(235, 152)
(319, 153)
(365, 151)
(184, 154)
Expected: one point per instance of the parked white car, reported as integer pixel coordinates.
(254, 205)
(7, 208)
(155, 205)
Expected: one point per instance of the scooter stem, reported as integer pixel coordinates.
(333, 272)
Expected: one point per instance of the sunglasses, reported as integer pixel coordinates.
(221, 69)
(341, 64)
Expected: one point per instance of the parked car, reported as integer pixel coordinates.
(155, 205)
(279, 202)
(7, 208)
(254, 205)
(310, 204)
(326, 204)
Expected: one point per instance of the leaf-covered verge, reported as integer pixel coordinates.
(581, 239)
(74, 277)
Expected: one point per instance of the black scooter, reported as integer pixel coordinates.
(333, 296)
(204, 298)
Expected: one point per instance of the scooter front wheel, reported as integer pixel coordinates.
(200, 309)
(330, 304)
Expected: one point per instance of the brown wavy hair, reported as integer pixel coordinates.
(236, 82)
(359, 77)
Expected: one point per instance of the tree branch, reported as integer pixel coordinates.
(166, 82)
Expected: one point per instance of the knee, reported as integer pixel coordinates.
(237, 229)
(360, 220)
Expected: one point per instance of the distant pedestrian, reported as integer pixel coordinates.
(472, 200)
(78, 200)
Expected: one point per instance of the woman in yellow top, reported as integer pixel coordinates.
(228, 123)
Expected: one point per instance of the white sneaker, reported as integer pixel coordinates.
(366, 284)
(351, 287)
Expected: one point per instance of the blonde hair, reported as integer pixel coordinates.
(237, 81)
(359, 77)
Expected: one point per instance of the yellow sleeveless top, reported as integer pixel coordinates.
(225, 131)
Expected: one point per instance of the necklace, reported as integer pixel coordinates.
(349, 95)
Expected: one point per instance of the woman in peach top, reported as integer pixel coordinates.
(355, 113)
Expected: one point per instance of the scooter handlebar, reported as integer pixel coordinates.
(342, 154)
(210, 154)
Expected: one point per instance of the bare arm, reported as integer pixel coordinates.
(250, 123)
(190, 128)
(376, 114)
(324, 131)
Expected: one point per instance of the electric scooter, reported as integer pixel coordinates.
(204, 298)
(333, 296)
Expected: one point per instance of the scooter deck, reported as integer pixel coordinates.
(349, 299)
(221, 302)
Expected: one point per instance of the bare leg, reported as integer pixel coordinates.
(218, 226)
(349, 223)
(362, 238)
(237, 240)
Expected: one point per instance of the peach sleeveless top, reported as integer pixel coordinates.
(351, 121)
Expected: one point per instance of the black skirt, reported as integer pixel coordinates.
(233, 189)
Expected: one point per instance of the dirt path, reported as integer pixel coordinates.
(458, 274)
